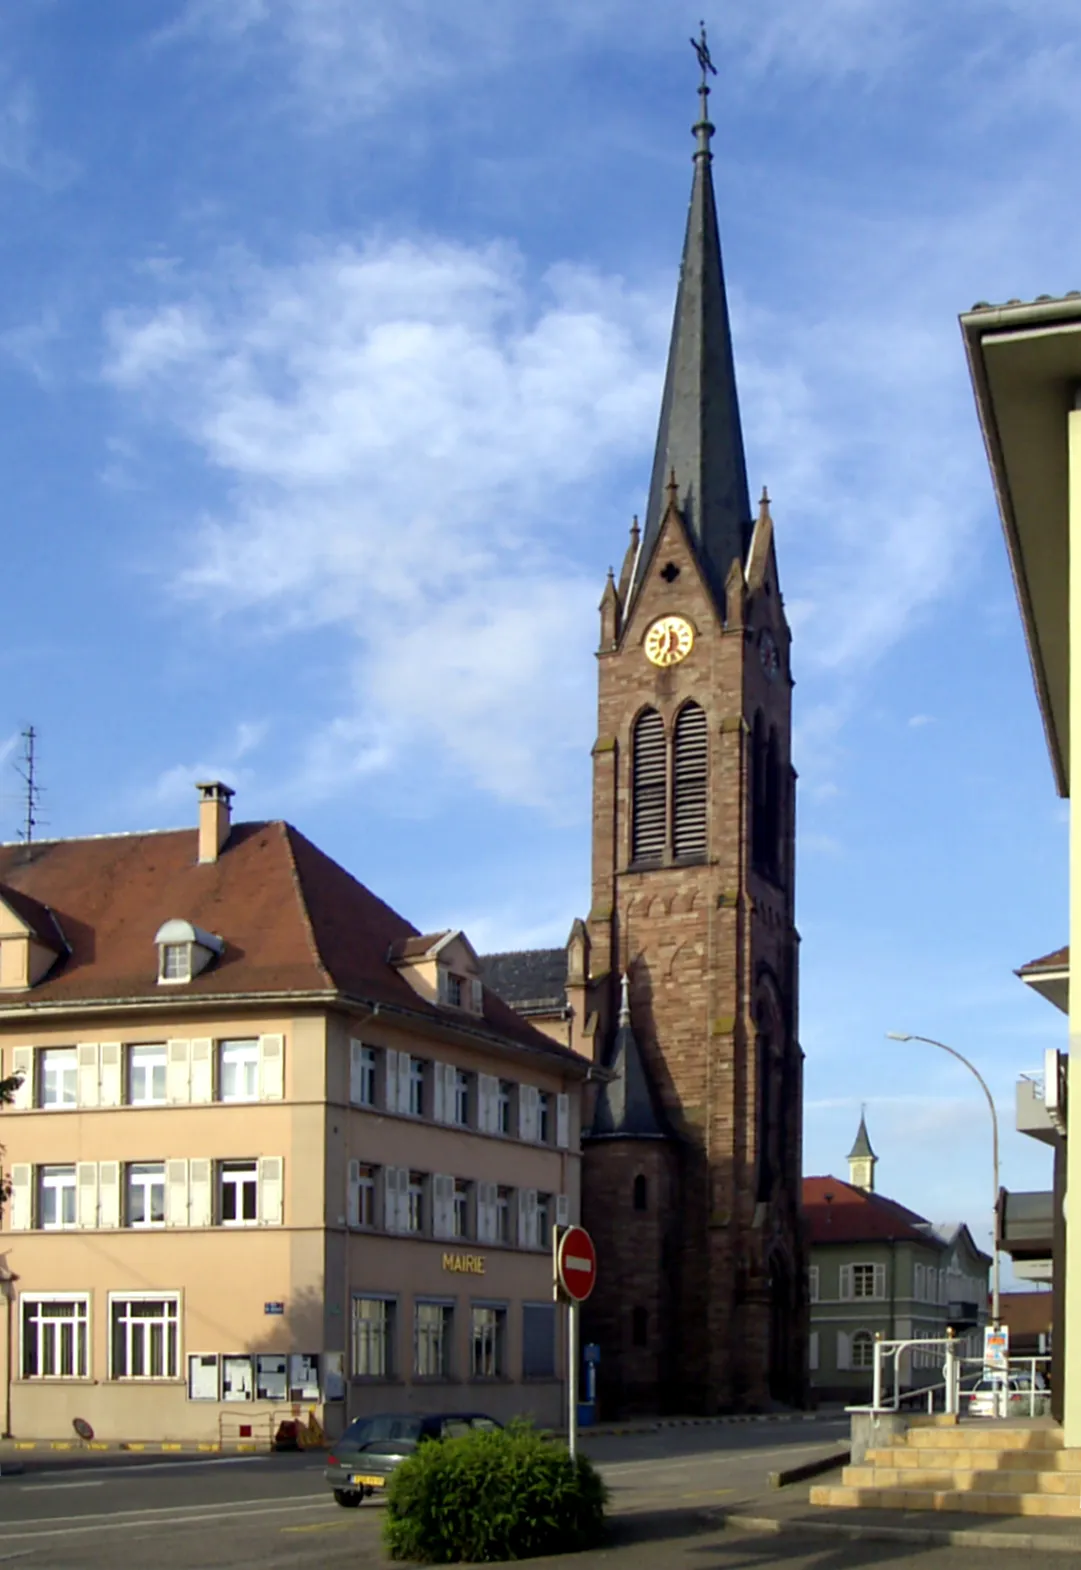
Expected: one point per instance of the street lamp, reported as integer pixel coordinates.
(895, 1035)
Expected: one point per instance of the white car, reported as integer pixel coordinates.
(1022, 1400)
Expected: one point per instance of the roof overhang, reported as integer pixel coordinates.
(1051, 982)
(1025, 363)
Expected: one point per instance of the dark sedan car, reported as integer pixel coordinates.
(362, 1460)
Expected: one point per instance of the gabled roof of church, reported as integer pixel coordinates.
(700, 439)
(626, 1107)
(527, 978)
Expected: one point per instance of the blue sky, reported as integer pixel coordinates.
(331, 347)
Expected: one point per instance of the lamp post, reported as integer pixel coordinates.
(929, 1041)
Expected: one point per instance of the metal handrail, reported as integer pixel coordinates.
(950, 1383)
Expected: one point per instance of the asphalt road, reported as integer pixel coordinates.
(275, 1513)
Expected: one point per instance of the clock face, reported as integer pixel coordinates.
(669, 640)
(767, 653)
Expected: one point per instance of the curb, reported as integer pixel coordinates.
(654, 1425)
(924, 1536)
(78, 1447)
(806, 1469)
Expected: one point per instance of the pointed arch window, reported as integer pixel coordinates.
(648, 790)
(774, 815)
(690, 778)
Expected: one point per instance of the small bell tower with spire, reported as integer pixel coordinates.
(862, 1159)
(692, 1161)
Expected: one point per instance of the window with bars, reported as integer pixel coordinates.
(145, 1338)
(373, 1337)
(648, 789)
(54, 1337)
(690, 776)
(488, 1342)
(432, 1340)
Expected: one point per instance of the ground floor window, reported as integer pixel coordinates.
(538, 1340)
(55, 1337)
(488, 1342)
(432, 1324)
(373, 1337)
(863, 1349)
(145, 1337)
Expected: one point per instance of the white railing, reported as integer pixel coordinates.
(887, 1395)
(1024, 1365)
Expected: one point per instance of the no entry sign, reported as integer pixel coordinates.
(576, 1264)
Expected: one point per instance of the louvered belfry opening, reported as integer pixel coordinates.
(648, 790)
(690, 778)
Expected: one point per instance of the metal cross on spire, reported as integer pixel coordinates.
(701, 49)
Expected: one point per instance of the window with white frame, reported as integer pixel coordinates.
(146, 1074)
(543, 1238)
(55, 1337)
(363, 1089)
(58, 1072)
(544, 1117)
(454, 986)
(363, 1201)
(863, 1281)
(414, 1202)
(238, 1071)
(432, 1340)
(812, 1284)
(373, 1337)
(144, 1337)
(460, 1208)
(174, 961)
(502, 1215)
(145, 1197)
(488, 1335)
(460, 1105)
(503, 1101)
(238, 1193)
(416, 1087)
(863, 1349)
(56, 1197)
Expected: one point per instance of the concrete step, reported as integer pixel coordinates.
(841, 1497)
(995, 1436)
(959, 1480)
(928, 1456)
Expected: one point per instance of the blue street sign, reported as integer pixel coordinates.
(273, 1308)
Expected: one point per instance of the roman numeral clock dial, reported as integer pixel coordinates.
(668, 640)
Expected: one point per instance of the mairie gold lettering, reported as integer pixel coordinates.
(464, 1264)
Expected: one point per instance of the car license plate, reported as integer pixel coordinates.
(368, 1482)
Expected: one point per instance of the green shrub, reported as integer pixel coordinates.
(499, 1494)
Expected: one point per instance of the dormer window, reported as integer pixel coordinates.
(454, 990)
(183, 951)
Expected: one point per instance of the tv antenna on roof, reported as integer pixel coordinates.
(25, 769)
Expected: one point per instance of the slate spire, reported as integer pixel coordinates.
(625, 1105)
(700, 437)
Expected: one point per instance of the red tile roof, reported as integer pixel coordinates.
(836, 1212)
(292, 921)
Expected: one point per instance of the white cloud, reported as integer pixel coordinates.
(918, 721)
(174, 786)
(22, 151)
(413, 443)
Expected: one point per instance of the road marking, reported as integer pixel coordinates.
(271, 1504)
(30, 1488)
(318, 1526)
(137, 1469)
(196, 1516)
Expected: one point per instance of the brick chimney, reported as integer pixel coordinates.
(215, 815)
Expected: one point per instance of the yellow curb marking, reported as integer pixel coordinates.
(26, 1444)
(172, 1447)
(61, 1444)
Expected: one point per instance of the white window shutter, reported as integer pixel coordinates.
(176, 1193)
(442, 989)
(563, 1120)
(563, 1211)
(177, 1071)
(390, 1198)
(112, 1077)
(846, 1283)
(523, 1219)
(523, 1110)
(390, 1092)
(404, 1062)
(880, 1281)
(271, 1195)
(271, 1068)
(485, 1213)
(487, 1090)
(200, 1193)
(109, 1194)
(22, 1062)
(531, 1238)
(844, 1350)
(476, 994)
(86, 1193)
(86, 1058)
(356, 1072)
(442, 1190)
(202, 1069)
(439, 1092)
(352, 1190)
(21, 1214)
(812, 1352)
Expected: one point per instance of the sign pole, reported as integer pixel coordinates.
(572, 1378)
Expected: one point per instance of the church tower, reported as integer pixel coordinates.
(683, 980)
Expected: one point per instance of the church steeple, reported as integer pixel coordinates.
(862, 1160)
(700, 438)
